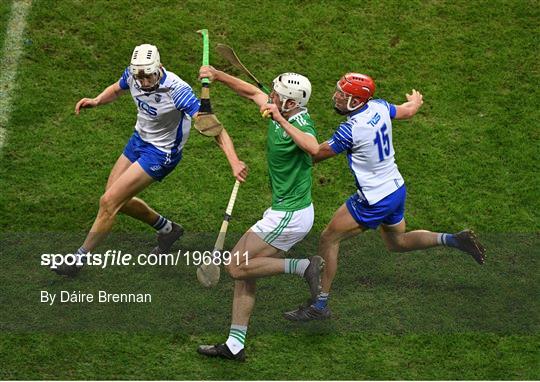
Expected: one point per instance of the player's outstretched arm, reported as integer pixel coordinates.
(242, 88)
(239, 168)
(108, 95)
(408, 109)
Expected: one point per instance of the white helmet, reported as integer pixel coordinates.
(145, 59)
(292, 86)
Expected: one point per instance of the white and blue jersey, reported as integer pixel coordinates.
(164, 115)
(163, 123)
(366, 137)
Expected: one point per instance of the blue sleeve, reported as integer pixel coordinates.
(185, 100)
(391, 107)
(342, 138)
(393, 110)
(123, 80)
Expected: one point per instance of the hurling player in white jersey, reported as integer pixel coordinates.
(366, 138)
(166, 105)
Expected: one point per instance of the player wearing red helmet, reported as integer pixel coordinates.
(366, 138)
(354, 86)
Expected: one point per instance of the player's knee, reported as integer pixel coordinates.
(395, 244)
(328, 235)
(107, 205)
(235, 271)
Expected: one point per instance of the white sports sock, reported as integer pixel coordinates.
(163, 225)
(237, 337)
(297, 266)
(167, 228)
(81, 255)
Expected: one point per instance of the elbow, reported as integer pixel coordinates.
(313, 151)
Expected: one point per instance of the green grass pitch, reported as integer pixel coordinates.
(469, 159)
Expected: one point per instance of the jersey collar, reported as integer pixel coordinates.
(162, 81)
(303, 110)
(363, 108)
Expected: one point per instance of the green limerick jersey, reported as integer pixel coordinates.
(289, 166)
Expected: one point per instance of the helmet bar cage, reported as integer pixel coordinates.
(349, 107)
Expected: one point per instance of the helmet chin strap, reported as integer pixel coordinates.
(153, 87)
(283, 102)
(353, 108)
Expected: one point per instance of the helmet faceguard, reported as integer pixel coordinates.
(292, 86)
(356, 85)
(145, 64)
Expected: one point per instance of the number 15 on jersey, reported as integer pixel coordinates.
(382, 140)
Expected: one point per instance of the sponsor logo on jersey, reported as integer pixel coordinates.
(376, 118)
(150, 110)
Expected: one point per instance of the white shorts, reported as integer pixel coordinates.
(283, 229)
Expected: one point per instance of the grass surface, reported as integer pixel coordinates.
(468, 158)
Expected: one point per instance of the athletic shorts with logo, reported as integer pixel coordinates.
(388, 211)
(283, 229)
(154, 162)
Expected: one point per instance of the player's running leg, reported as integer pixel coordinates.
(252, 258)
(243, 303)
(255, 258)
(130, 183)
(341, 227)
(397, 239)
(244, 298)
(167, 231)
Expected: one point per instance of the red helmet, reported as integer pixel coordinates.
(357, 85)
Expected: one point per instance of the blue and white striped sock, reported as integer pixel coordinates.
(448, 240)
(82, 254)
(163, 225)
(297, 266)
(322, 301)
(237, 338)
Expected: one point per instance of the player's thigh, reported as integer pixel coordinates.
(132, 181)
(250, 246)
(121, 165)
(393, 227)
(391, 233)
(284, 229)
(342, 225)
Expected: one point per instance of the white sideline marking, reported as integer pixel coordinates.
(13, 47)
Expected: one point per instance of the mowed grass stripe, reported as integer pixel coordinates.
(11, 54)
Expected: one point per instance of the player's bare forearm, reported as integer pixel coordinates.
(325, 152)
(408, 109)
(305, 141)
(226, 144)
(108, 95)
(241, 87)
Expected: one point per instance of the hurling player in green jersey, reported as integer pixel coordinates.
(291, 142)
